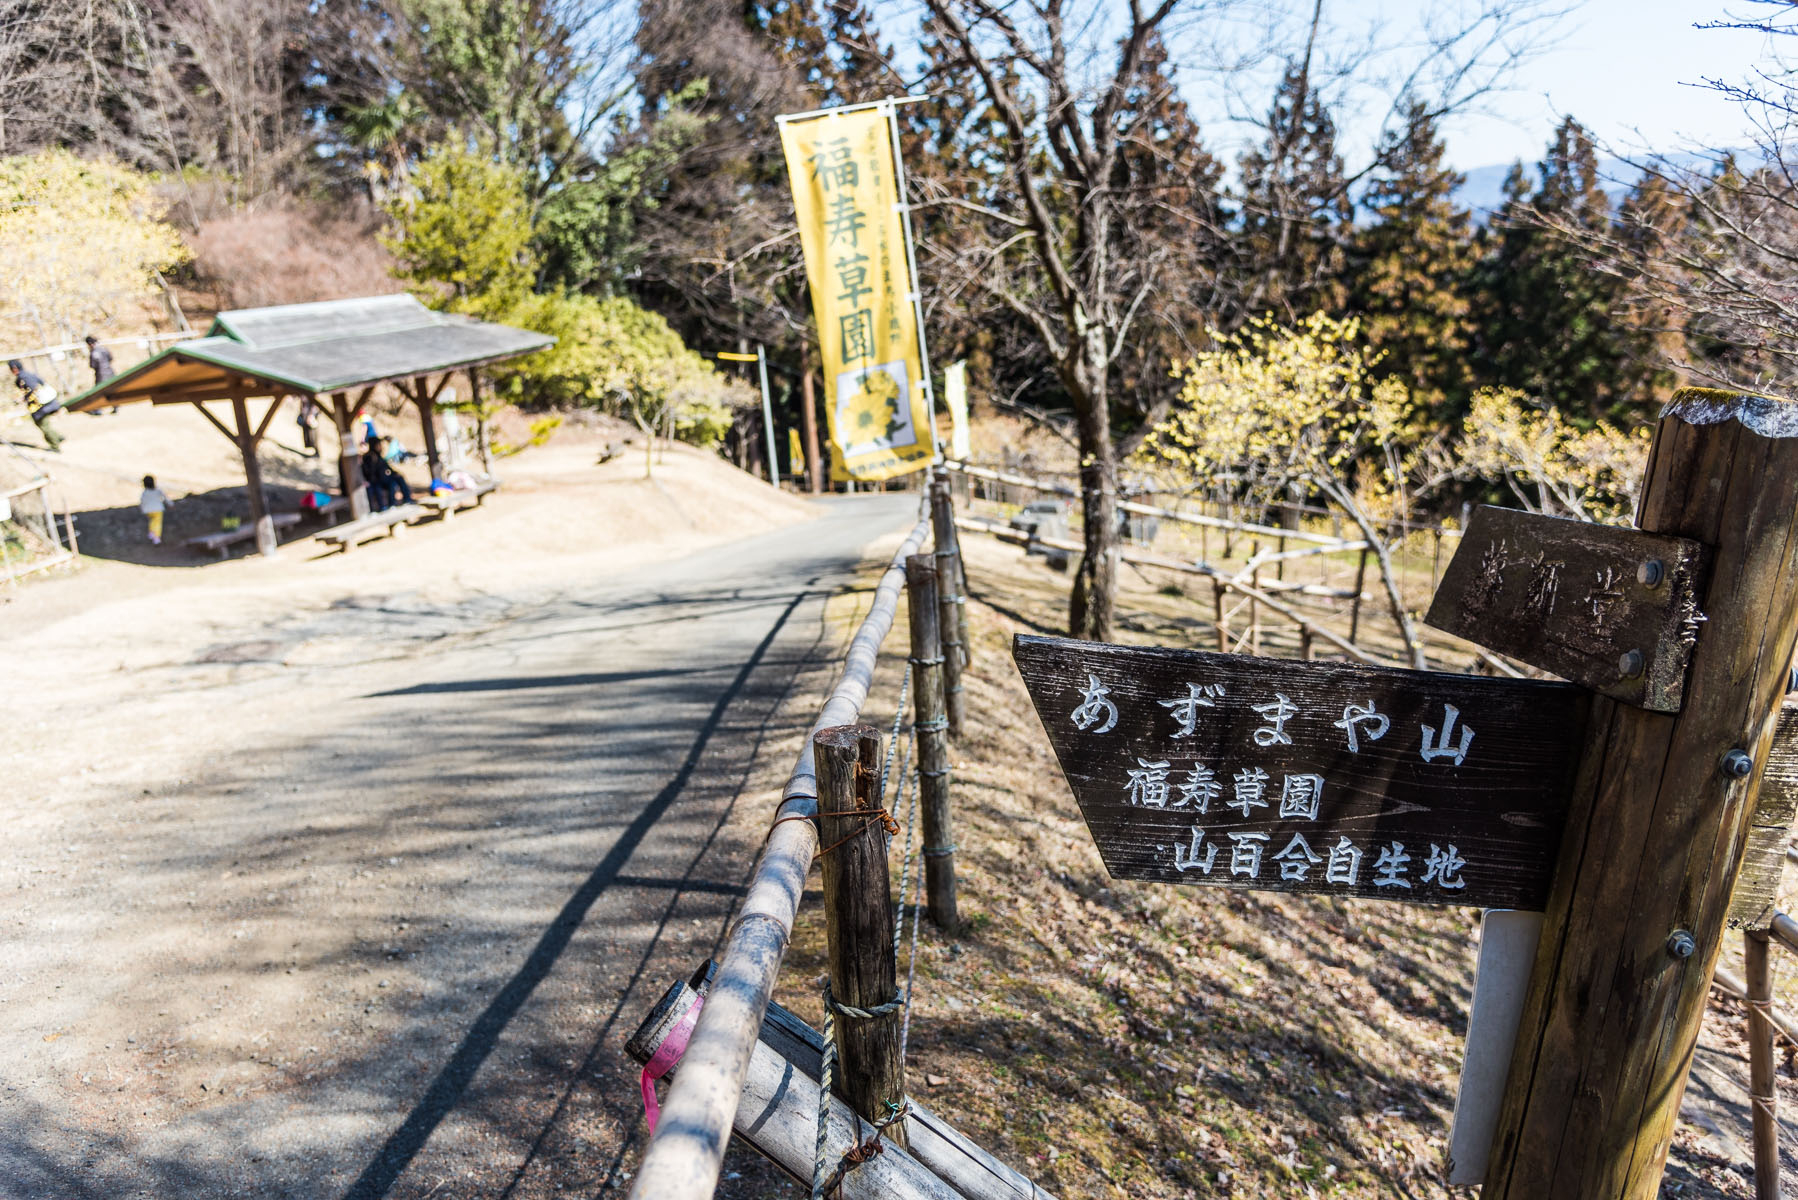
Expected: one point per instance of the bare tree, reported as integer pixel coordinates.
(1708, 243)
(1064, 243)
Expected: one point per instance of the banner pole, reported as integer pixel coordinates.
(813, 114)
(911, 264)
(761, 362)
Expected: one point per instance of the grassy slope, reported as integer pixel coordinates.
(1119, 1039)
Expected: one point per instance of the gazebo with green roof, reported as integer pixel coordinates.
(340, 349)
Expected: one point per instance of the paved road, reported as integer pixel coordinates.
(387, 937)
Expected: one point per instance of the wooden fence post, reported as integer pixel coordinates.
(1254, 609)
(1763, 1095)
(927, 659)
(1223, 618)
(1655, 833)
(948, 541)
(858, 916)
(951, 621)
(1355, 606)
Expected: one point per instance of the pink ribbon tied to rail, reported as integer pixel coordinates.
(666, 1055)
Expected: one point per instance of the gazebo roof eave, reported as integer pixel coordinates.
(103, 394)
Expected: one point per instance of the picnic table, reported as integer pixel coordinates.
(351, 534)
(445, 504)
(221, 542)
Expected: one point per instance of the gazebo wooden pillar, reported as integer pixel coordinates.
(426, 399)
(349, 461)
(245, 437)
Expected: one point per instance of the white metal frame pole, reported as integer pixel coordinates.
(911, 270)
(761, 362)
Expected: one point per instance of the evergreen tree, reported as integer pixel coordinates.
(1172, 210)
(1653, 219)
(1410, 265)
(1548, 320)
(1296, 212)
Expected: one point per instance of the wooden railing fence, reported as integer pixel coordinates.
(809, 1101)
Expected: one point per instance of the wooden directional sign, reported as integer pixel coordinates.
(1611, 608)
(1274, 775)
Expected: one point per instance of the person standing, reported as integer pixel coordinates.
(153, 504)
(40, 402)
(100, 359)
(308, 419)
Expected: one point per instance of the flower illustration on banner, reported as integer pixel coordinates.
(871, 411)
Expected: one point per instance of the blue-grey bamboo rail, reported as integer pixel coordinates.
(687, 1151)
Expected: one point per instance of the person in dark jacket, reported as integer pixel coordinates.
(40, 402)
(100, 359)
(386, 486)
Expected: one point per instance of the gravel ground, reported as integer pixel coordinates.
(362, 898)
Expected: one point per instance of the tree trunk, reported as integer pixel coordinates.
(1395, 599)
(1092, 609)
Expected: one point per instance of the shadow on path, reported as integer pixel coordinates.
(379, 1176)
(589, 679)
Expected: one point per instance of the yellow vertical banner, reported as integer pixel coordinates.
(955, 399)
(795, 452)
(846, 195)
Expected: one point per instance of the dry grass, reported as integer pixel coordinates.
(1131, 1040)
(289, 252)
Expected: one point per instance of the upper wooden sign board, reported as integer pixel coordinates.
(1273, 775)
(1612, 609)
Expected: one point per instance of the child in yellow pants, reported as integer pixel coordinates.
(153, 504)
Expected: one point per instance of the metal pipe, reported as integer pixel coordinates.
(687, 1152)
(761, 362)
(1786, 930)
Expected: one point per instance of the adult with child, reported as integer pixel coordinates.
(386, 486)
(40, 402)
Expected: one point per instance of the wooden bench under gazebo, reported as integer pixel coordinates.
(334, 351)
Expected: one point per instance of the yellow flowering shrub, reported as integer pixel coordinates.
(1550, 465)
(84, 241)
(1272, 406)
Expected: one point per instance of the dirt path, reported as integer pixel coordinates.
(334, 877)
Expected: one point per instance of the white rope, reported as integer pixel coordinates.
(911, 964)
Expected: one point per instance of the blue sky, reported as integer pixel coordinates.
(1624, 69)
(1630, 70)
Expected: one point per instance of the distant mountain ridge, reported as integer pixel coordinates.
(1483, 188)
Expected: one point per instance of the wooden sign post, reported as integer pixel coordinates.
(1655, 836)
(1620, 804)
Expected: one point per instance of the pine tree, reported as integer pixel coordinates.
(860, 60)
(1409, 268)
(1171, 209)
(1653, 218)
(1547, 318)
(1296, 212)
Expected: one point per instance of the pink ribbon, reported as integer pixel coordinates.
(666, 1055)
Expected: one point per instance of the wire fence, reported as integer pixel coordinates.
(36, 531)
(64, 366)
(727, 1023)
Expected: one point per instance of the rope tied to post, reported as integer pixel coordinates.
(896, 1111)
(876, 816)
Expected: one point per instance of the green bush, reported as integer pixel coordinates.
(462, 238)
(615, 356)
